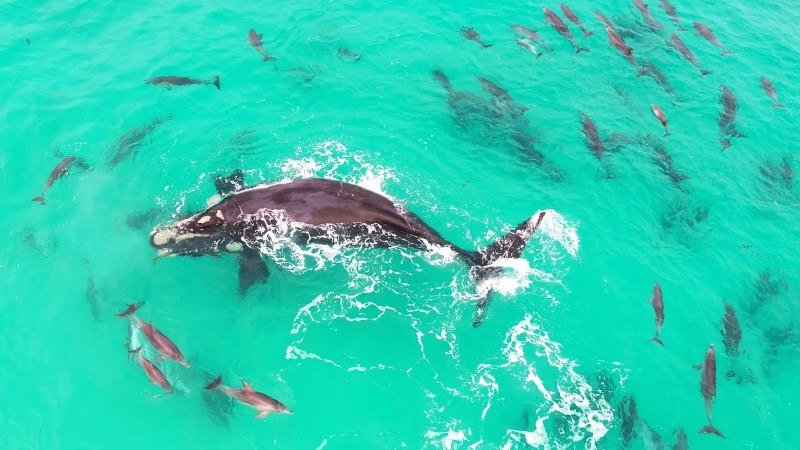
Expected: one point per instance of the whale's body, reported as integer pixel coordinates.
(314, 210)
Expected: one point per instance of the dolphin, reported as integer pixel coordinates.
(169, 81)
(594, 143)
(470, 34)
(574, 19)
(562, 29)
(59, 171)
(325, 212)
(678, 43)
(727, 119)
(157, 339)
(255, 40)
(708, 387)
(664, 161)
(731, 332)
(154, 373)
(660, 116)
(658, 307)
(129, 142)
(708, 33)
(529, 34)
(768, 87)
(670, 10)
(681, 443)
(262, 403)
(645, 10)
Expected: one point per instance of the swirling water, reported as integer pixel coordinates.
(375, 348)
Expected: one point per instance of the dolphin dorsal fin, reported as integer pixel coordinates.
(246, 386)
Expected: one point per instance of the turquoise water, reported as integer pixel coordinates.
(375, 348)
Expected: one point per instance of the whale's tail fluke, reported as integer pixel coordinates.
(509, 246)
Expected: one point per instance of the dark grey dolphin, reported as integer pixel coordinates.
(320, 211)
(129, 142)
(169, 81)
(59, 171)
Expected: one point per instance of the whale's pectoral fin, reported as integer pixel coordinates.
(230, 184)
(252, 270)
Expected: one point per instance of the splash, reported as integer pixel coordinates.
(568, 413)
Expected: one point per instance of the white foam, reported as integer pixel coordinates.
(556, 227)
(568, 397)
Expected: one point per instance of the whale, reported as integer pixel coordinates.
(320, 211)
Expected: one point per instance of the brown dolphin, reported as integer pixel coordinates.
(670, 10)
(262, 403)
(658, 307)
(605, 21)
(562, 29)
(661, 117)
(770, 90)
(59, 171)
(708, 33)
(625, 49)
(154, 373)
(642, 6)
(255, 41)
(687, 54)
(157, 339)
(708, 387)
(574, 19)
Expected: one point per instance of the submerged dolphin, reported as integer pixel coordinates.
(320, 211)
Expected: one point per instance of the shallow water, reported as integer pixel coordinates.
(375, 348)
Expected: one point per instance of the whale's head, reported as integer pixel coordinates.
(206, 233)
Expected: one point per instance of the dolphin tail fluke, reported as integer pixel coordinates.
(39, 199)
(216, 82)
(136, 350)
(214, 384)
(581, 49)
(727, 52)
(485, 46)
(587, 33)
(711, 429)
(704, 72)
(697, 367)
(130, 309)
(658, 341)
(510, 245)
(776, 105)
(268, 58)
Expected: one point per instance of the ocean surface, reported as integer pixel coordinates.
(375, 348)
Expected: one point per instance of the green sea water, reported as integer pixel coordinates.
(375, 348)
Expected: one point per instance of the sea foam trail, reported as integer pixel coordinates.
(565, 403)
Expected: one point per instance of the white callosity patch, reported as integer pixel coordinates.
(161, 237)
(234, 247)
(204, 219)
